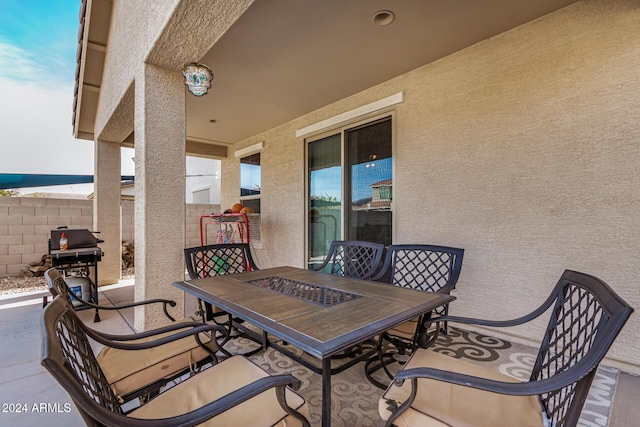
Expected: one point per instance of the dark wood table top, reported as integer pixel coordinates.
(319, 330)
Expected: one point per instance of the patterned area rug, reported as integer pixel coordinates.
(354, 400)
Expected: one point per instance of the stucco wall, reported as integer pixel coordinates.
(126, 51)
(26, 224)
(522, 149)
(146, 34)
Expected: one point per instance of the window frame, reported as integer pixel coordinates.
(243, 154)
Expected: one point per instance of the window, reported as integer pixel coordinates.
(250, 181)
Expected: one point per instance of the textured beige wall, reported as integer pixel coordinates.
(167, 33)
(106, 213)
(523, 149)
(127, 49)
(526, 153)
(160, 191)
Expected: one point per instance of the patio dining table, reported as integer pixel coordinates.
(321, 314)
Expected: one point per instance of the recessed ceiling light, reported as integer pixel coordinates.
(213, 121)
(383, 17)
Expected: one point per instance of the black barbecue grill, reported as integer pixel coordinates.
(78, 261)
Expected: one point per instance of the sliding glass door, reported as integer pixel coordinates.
(324, 195)
(369, 175)
(349, 187)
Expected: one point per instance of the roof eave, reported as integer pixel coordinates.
(93, 33)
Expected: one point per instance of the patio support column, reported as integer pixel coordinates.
(107, 218)
(160, 165)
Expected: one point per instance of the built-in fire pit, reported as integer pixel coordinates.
(316, 294)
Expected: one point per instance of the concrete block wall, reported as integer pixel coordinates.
(26, 224)
(193, 222)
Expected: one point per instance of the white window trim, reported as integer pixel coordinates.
(351, 115)
(252, 149)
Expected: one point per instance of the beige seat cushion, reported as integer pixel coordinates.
(131, 370)
(442, 404)
(405, 330)
(218, 381)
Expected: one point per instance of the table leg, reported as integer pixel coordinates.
(326, 392)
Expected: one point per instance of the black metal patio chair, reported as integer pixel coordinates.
(352, 258)
(144, 372)
(218, 260)
(58, 285)
(423, 267)
(232, 392)
(586, 316)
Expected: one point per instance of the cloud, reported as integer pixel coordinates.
(33, 68)
(36, 131)
(18, 65)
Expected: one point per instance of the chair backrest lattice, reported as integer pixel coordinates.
(422, 267)
(586, 317)
(219, 259)
(354, 259)
(68, 356)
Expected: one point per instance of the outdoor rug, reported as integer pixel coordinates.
(354, 400)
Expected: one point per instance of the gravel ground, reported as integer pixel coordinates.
(20, 284)
(17, 285)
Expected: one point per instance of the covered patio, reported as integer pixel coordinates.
(514, 132)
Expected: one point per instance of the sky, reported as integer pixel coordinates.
(38, 42)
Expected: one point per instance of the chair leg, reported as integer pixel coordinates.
(383, 359)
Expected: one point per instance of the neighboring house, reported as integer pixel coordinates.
(508, 128)
(380, 199)
(202, 183)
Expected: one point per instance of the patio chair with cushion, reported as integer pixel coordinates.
(586, 315)
(352, 258)
(232, 392)
(218, 260)
(187, 347)
(422, 267)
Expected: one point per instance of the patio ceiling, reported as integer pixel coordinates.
(283, 59)
(286, 58)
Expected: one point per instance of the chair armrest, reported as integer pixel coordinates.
(165, 302)
(426, 341)
(474, 321)
(498, 323)
(211, 409)
(323, 265)
(380, 274)
(530, 388)
(116, 341)
(235, 398)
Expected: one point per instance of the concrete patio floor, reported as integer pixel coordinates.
(30, 396)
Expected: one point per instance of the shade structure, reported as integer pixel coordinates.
(21, 180)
